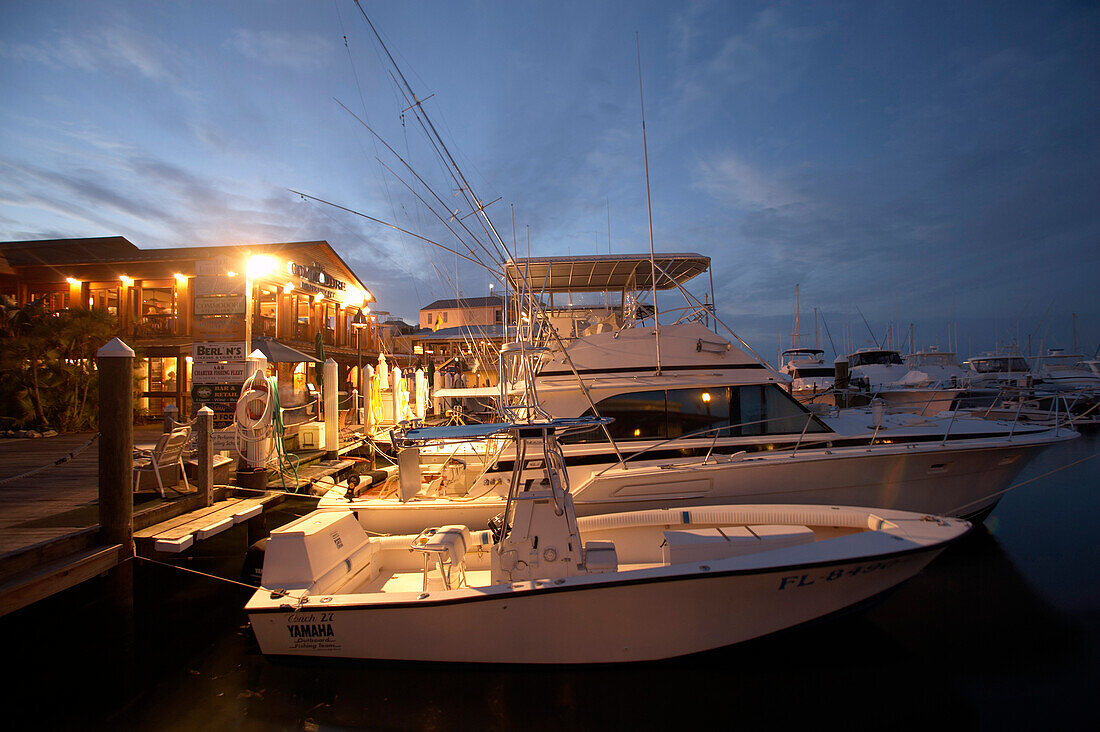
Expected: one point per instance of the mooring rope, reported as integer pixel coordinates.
(59, 461)
(284, 593)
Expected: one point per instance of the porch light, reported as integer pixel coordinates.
(72, 280)
(261, 265)
(288, 287)
(318, 297)
(180, 277)
(126, 281)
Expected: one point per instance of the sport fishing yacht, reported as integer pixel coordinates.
(698, 419)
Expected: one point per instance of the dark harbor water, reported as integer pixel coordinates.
(1001, 632)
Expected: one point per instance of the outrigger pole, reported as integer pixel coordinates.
(649, 208)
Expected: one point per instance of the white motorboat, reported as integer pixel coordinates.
(881, 373)
(551, 587)
(997, 370)
(1058, 371)
(811, 378)
(699, 421)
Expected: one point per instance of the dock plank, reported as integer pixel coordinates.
(56, 576)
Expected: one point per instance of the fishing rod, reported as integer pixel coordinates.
(437, 141)
(421, 180)
(392, 226)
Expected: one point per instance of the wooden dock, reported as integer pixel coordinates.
(50, 537)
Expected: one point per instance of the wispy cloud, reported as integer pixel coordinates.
(114, 46)
(290, 50)
(733, 181)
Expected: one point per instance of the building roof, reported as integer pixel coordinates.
(67, 251)
(119, 250)
(461, 332)
(465, 302)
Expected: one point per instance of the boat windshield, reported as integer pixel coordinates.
(811, 372)
(876, 358)
(999, 365)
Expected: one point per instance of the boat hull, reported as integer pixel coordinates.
(618, 621)
(921, 477)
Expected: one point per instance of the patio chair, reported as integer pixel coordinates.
(167, 452)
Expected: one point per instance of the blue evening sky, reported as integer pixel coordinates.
(925, 162)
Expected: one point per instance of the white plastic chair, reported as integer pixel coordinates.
(167, 452)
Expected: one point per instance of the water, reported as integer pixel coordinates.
(1001, 631)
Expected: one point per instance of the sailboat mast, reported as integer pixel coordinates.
(649, 209)
(796, 336)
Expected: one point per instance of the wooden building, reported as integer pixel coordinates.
(303, 296)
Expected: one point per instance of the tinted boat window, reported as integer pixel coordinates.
(768, 410)
(697, 410)
(638, 416)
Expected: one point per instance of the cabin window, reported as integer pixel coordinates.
(753, 410)
(768, 410)
(698, 411)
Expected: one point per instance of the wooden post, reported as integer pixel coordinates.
(115, 362)
(330, 395)
(171, 416)
(204, 480)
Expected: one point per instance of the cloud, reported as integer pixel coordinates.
(112, 47)
(733, 181)
(290, 50)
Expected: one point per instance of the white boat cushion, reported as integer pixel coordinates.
(600, 556)
(450, 542)
(697, 545)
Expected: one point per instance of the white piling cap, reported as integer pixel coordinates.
(115, 348)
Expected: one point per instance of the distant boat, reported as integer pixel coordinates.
(811, 378)
(882, 373)
(548, 587)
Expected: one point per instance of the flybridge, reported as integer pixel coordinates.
(601, 272)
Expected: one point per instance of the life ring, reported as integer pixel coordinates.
(255, 404)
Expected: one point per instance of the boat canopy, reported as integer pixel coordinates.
(601, 272)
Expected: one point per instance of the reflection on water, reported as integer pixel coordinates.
(984, 637)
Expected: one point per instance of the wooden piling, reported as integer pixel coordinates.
(204, 478)
(115, 363)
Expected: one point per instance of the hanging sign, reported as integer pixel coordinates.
(220, 305)
(218, 285)
(214, 352)
(218, 328)
(216, 392)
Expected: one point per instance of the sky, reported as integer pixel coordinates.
(923, 163)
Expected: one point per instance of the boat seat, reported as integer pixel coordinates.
(697, 545)
(448, 545)
(600, 556)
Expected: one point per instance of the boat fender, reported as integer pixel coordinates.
(353, 483)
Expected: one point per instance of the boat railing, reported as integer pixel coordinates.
(704, 432)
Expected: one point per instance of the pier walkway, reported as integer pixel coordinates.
(49, 521)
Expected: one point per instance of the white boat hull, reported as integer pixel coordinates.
(619, 621)
(914, 477)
